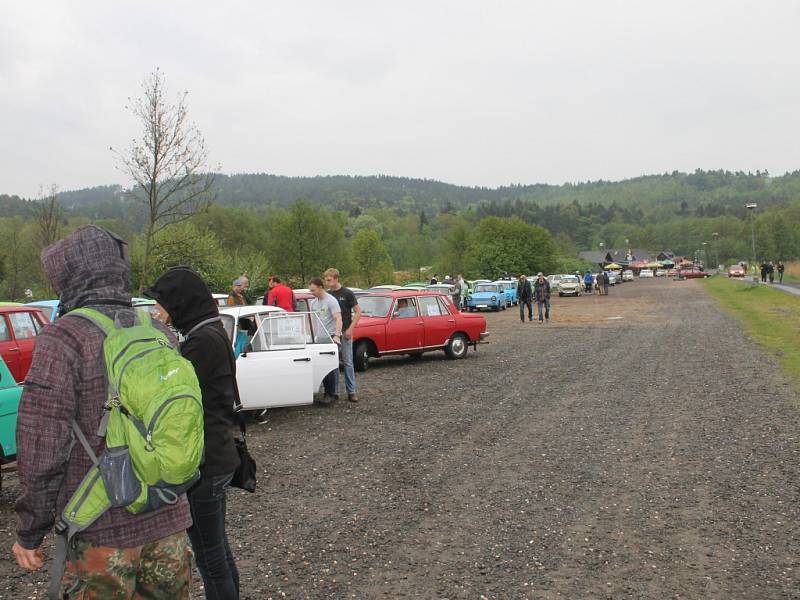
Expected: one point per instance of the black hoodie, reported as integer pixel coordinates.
(185, 296)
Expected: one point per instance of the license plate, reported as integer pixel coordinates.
(483, 306)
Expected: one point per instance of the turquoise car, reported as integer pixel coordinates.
(10, 394)
(510, 289)
(491, 296)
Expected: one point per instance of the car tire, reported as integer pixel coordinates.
(457, 346)
(361, 356)
(560, 295)
(496, 308)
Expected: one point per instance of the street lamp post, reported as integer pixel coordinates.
(751, 206)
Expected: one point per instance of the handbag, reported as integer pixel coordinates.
(244, 477)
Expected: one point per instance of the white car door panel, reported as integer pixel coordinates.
(273, 378)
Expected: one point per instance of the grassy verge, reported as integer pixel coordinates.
(770, 317)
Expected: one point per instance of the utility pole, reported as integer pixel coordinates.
(715, 235)
(751, 206)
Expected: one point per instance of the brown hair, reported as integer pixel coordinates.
(315, 281)
(332, 272)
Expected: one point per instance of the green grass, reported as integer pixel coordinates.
(770, 317)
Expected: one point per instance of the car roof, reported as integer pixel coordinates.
(248, 311)
(47, 303)
(9, 307)
(404, 293)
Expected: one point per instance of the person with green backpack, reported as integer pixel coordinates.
(109, 435)
(184, 296)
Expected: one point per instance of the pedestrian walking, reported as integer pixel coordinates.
(605, 283)
(599, 282)
(464, 290)
(120, 554)
(434, 279)
(764, 272)
(525, 297)
(326, 307)
(185, 297)
(239, 295)
(588, 281)
(771, 272)
(351, 314)
(781, 268)
(456, 292)
(541, 293)
(279, 294)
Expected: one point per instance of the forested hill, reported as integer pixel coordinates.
(712, 192)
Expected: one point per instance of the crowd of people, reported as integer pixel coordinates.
(768, 270)
(68, 393)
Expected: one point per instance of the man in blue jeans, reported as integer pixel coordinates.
(541, 294)
(351, 313)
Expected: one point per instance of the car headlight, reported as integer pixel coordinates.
(494, 298)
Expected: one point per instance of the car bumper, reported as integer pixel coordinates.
(483, 336)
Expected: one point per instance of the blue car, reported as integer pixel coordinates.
(487, 296)
(510, 289)
(49, 307)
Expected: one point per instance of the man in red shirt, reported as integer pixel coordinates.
(279, 295)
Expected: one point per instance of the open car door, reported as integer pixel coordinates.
(276, 368)
(324, 351)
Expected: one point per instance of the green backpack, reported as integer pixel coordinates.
(153, 427)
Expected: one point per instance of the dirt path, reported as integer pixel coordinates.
(593, 457)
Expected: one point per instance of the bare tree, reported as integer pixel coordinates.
(167, 164)
(48, 217)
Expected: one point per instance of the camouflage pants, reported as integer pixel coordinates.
(158, 570)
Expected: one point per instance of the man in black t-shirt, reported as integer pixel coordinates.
(351, 313)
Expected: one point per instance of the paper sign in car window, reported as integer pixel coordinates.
(288, 331)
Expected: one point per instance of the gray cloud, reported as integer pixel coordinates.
(469, 92)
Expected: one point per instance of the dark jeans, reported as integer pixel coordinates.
(522, 305)
(209, 541)
(546, 304)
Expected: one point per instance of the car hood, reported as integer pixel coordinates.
(484, 295)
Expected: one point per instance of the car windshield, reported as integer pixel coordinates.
(485, 288)
(374, 306)
(569, 279)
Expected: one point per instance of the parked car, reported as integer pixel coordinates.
(692, 274)
(627, 275)
(441, 288)
(10, 392)
(660, 273)
(569, 285)
(672, 272)
(613, 277)
(385, 288)
(282, 357)
(646, 273)
(408, 322)
(510, 289)
(19, 326)
(49, 308)
(487, 295)
(553, 279)
(736, 271)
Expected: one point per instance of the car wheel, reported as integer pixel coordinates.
(496, 308)
(560, 295)
(361, 356)
(457, 347)
(504, 307)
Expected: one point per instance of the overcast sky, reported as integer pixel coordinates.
(475, 93)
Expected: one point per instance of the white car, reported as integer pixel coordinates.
(569, 285)
(282, 357)
(646, 273)
(661, 273)
(220, 299)
(627, 275)
(613, 277)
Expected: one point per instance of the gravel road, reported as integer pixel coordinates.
(624, 450)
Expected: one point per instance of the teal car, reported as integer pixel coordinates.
(510, 289)
(10, 394)
(491, 296)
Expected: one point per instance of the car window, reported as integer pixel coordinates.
(430, 307)
(280, 331)
(406, 308)
(485, 288)
(4, 334)
(23, 326)
(374, 306)
(443, 306)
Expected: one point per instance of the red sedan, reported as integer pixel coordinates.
(413, 322)
(692, 274)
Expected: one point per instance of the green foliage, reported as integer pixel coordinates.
(510, 246)
(370, 258)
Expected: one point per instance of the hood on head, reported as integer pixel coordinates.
(89, 266)
(185, 296)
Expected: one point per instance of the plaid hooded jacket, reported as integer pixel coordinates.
(67, 381)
